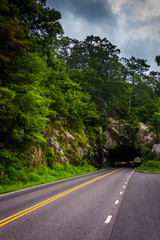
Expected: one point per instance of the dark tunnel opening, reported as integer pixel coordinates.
(123, 156)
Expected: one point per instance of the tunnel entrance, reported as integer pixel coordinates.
(123, 156)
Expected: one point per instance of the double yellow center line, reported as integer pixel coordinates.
(41, 204)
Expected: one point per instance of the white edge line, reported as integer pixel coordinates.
(108, 219)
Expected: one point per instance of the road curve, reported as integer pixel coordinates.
(81, 208)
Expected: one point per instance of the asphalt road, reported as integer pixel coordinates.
(139, 213)
(83, 208)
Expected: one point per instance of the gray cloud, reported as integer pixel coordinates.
(132, 25)
(94, 11)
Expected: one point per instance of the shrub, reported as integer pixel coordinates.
(42, 170)
(33, 177)
(146, 152)
(52, 172)
(2, 170)
(67, 166)
(58, 167)
(15, 175)
(50, 156)
(153, 164)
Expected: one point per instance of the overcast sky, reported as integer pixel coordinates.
(132, 25)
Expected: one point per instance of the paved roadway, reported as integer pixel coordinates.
(139, 213)
(82, 208)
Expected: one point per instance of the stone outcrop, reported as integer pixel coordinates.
(156, 150)
(68, 137)
(116, 134)
(144, 135)
(67, 148)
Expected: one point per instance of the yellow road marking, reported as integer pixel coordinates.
(41, 204)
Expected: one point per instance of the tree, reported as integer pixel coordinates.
(24, 105)
(41, 21)
(157, 60)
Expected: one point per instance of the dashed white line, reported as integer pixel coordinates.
(108, 219)
(117, 201)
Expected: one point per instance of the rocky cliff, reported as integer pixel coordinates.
(64, 146)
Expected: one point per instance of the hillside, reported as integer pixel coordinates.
(57, 94)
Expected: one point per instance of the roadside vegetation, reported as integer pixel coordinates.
(149, 164)
(16, 179)
(152, 166)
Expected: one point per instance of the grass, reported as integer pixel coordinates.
(16, 179)
(152, 166)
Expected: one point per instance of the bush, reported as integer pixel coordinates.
(42, 170)
(157, 158)
(146, 152)
(2, 170)
(50, 156)
(12, 174)
(58, 167)
(153, 164)
(150, 166)
(6, 158)
(22, 176)
(52, 172)
(15, 175)
(33, 177)
(67, 166)
(6, 180)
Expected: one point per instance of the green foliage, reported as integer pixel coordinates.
(15, 179)
(49, 153)
(156, 123)
(102, 140)
(7, 158)
(133, 122)
(58, 167)
(33, 177)
(150, 166)
(147, 152)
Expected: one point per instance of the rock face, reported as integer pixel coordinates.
(156, 150)
(145, 136)
(68, 148)
(116, 134)
(68, 137)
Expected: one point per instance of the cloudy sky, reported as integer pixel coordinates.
(132, 25)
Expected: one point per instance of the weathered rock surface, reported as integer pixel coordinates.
(156, 150)
(68, 137)
(116, 134)
(144, 135)
(66, 147)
